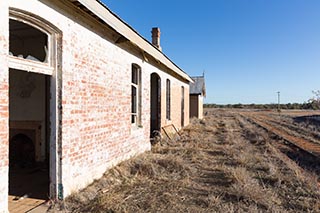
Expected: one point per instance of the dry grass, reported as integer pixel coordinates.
(220, 164)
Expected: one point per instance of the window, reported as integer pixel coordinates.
(32, 43)
(28, 42)
(168, 100)
(136, 95)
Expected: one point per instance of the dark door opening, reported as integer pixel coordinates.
(29, 136)
(182, 106)
(155, 104)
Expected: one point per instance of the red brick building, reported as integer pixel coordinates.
(80, 91)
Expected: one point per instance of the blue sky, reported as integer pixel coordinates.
(249, 49)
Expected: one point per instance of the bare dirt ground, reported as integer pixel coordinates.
(224, 163)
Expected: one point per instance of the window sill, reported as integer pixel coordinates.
(135, 126)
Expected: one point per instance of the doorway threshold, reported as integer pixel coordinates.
(25, 204)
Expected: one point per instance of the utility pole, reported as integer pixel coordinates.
(278, 101)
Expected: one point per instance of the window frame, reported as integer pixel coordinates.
(48, 67)
(135, 115)
(51, 68)
(168, 99)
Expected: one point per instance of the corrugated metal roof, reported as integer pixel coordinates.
(198, 87)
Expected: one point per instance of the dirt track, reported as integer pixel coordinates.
(299, 130)
(285, 126)
(225, 163)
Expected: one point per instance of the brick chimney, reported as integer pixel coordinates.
(156, 37)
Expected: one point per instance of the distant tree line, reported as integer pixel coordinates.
(312, 105)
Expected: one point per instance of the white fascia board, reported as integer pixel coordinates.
(119, 26)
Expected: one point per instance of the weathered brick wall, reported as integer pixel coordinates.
(177, 104)
(175, 101)
(4, 111)
(97, 129)
(96, 89)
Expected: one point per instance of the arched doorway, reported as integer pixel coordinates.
(155, 104)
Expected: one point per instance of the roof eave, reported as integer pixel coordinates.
(105, 14)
